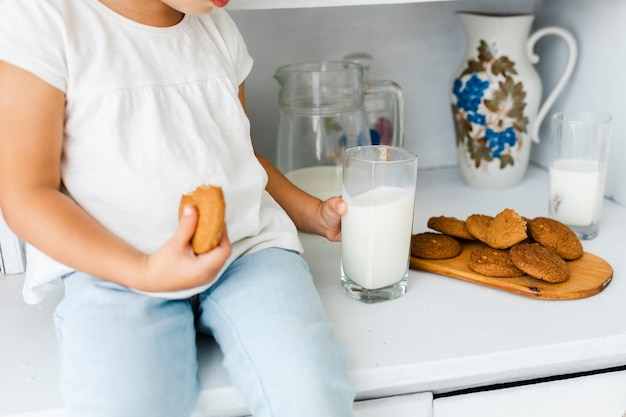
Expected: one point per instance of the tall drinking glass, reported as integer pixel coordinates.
(578, 165)
(379, 189)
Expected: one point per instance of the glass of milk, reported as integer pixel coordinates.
(379, 188)
(578, 165)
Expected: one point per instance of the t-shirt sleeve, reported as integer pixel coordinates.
(242, 61)
(31, 38)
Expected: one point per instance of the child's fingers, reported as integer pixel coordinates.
(340, 206)
(186, 224)
(224, 245)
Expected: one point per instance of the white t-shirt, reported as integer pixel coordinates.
(151, 114)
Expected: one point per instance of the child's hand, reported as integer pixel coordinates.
(174, 266)
(331, 211)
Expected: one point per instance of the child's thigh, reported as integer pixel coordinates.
(270, 290)
(279, 351)
(124, 353)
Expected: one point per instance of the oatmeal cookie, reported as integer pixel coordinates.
(429, 245)
(556, 236)
(450, 226)
(478, 225)
(209, 202)
(540, 262)
(507, 229)
(493, 263)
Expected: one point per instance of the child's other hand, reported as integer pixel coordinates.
(174, 266)
(331, 211)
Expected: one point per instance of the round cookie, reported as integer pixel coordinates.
(556, 236)
(429, 245)
(539, 262)
(493, 263)
(507, 229)
(450, 226)
(478, 225)
(209, 202)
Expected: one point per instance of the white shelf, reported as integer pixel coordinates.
(296, 4)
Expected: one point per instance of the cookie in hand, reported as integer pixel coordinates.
(209, 202)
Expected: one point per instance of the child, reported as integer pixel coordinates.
(109, 111)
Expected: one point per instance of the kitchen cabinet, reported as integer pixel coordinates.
(414, 405)
(595, 395)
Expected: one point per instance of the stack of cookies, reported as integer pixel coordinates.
(511, 245)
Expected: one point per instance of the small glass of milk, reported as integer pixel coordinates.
(578, 165)
(379, 188)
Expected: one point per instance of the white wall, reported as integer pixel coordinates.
(421, 45)
(599, 81)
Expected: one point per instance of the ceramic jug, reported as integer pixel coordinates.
(321, 113)
(496, 96)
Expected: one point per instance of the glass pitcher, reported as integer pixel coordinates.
(385, 112)
(322, 112)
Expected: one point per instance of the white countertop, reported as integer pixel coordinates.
(443, 335)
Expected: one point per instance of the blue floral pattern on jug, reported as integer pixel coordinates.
(488, 108)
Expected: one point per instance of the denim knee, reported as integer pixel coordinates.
(278, 346)
(124, 353)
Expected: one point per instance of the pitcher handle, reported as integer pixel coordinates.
(395, 91)
(572, 47)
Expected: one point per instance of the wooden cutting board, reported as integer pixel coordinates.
(590, 274)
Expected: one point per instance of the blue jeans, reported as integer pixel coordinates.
(129, 354)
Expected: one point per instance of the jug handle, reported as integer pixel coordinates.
(393, 89)
(565, 76)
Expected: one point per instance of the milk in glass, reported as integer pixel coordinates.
(576, 191)
(376, 236)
